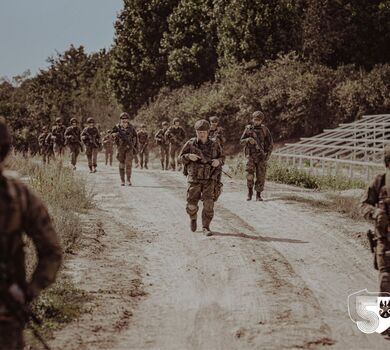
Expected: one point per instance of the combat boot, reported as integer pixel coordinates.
(207, 232)
(90, 169)
(250, 194)
(128, 182)
(258, 197)
(146, 166)
(193, 225)
(162, 166)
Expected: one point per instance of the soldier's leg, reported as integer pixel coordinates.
(162, 157)
(172, 153)
(179, 165)
(120, 155)
(129, 165)
(106, 154)
(11, 335)
(88, 153)
(76, 154)
(166, 156)
(208, 203)
(111, 155)
(250, 175)
(194, 192)
(261, 168)
(383, 261)
(95, 153)
(141, 159)
(136, 160)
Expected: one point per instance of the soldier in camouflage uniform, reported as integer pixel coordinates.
(21, 212)
(91, 138)
(375, 206)
(108, 145)
(32, 141)
(175, 136)
(143, 140)
(203, 160)
(58, 135)
(126, 140)
(48, 146)
(258, 148)
(73, 141)
(217, 133)
(42, 144)
(163, 143)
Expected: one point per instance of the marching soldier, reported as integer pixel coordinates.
(58, 134)
(32, 141)
(91, 138)
(163, 143)
(258, 148)
(42, 144)
(375, 205)
(203, 160)
(126, 140)
(73, 141)
(108, 145)
(49, 146)
(175, 136)
(143, 139)
(22, 212)
(217, 133)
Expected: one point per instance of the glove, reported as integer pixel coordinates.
(215, 163)
(381, 218)
(252, 141)
(193, 157)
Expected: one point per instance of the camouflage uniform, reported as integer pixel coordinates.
(175, 136)
(48, 147)
(375, 205)
(143, 140)
(58, 134)
(73, 141)
(33, 144)
(22, 212)
(257, 156)
(163, 143)
(126, 141)
(91, 139)
(202, 177)
(108, 145)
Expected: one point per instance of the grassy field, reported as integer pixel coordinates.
(66, 196)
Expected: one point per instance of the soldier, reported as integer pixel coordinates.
(126, 140)
(203, 160)
(217, 133)
(44, 148)
(163, 143)
(258, 148)
(21, 212)
(58, 135)
(143, 139)
(108, 145)
(73, 141)
(375, 205)
(33, 144)
(91, 138)
(175, 136)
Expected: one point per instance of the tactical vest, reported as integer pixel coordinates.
(142, 137)
(259, 134)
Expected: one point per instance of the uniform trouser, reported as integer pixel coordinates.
(58, 149)
(174, 150)
(136, 160)
(201, 191)
(11, 335)
(74, 153)
(383, 261)
(109, 154)
(164, 156)
(47, 155)
(144, 157)
(256, 168)
(125, 158)
(92, 153)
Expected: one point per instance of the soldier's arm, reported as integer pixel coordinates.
(157, 136)
(270, 143)
(185, 151)
(245, 137)
(221, 155)
(38, 226)
(222, 136)
(370, 198)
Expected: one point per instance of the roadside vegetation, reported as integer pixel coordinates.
(66, 197)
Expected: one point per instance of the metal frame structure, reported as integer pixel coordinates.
(353, 149)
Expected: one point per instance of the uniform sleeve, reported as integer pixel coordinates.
(222, 136)
(67, 132)
(168, 133)
(270, 143)
(370, 199)
(244, 138)
(221, 155)
(157, 136)
(38, 226)
(185, 151)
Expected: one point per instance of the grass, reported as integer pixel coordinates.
(66, 196)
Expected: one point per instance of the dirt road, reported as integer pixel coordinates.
(275, 275)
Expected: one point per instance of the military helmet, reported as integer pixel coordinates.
(90, 120)
(73, 120)
(164, 123)
(202, 125)
(124, 115)
(176, 120)
(258, 115)
(5, 139)
(58, 120)
(386, 153)
(214, 119)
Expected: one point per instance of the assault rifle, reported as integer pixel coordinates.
(126, 138)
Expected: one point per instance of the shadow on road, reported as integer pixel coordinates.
(258, 238)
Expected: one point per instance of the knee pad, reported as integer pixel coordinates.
(192, 209)
(250, 177)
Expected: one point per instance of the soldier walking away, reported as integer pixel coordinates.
(91, 138)
(42, 144)
(163, 143)
(203, 160)
(258, 148)
(73, 141)
(175, 136)
(217, 133)
(126, 140)
(143, 139)
(58, 134)
(21, 212)
(48, 146)
(108, 145)
(375, 206)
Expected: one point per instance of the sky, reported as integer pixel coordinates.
(33, 30)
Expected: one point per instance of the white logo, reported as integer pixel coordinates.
(370, 311)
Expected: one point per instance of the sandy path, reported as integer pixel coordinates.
(275, 275)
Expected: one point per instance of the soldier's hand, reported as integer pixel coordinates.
(215, 163)
(380, 216)
(252, 141)
(193, 157)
